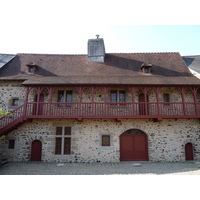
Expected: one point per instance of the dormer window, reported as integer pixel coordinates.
(31, 68)
(146, 68)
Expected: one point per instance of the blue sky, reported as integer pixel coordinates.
(64, 27)
(157, 38)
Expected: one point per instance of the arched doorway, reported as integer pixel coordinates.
(133, 146)
(36, 150)
(189, 152)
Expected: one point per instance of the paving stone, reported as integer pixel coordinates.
(123, 168)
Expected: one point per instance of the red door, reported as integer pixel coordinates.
(142, 108)
(189, 152)
(36, 150)
(41, 100)
(133, 146)
(40, 108)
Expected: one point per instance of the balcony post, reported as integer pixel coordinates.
(194, 91)
(182, 91)
(26, 102)
(145, 91)
(80, 95)
(132, 90)
(105, 92)
(38, 100)
(93, 90)
(51, 90)
(157, 91)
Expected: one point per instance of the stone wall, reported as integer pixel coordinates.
(10, 90)
(166, 139)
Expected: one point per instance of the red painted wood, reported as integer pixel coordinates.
(36, 150)
(189, 152)
(37, 106)
(142, 105)
(133, 147)
(114, 110)
(110, 110)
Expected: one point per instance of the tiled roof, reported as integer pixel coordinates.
(118, 68)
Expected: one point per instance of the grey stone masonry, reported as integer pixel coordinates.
(166, 139)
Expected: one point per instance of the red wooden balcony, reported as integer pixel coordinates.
(113, 110)
(92, 110)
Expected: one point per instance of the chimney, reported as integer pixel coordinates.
(96, 50)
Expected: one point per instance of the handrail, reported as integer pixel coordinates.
(102, 109)
(12, 116)
(112, 109)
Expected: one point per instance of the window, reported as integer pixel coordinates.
(105, 140)
(15, 102)
(113, 96)
(117, 96)
(146, 68)
(166, 97)
(63, 141)
(64, 96)
(31, 69)
(61, 96)
(121, 96)
(11, 144)
(68, 96)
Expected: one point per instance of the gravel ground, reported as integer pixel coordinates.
(122, 168)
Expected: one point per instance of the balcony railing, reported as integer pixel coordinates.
(98, 110)
(113, 110)
(13, 116)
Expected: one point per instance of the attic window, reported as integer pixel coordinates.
(31, 68)
(146, 68)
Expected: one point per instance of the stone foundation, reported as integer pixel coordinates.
(166, 139)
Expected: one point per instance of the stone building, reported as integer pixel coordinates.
(100, 107)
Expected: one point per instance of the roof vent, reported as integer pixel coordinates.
(96, 50)
(146, 68)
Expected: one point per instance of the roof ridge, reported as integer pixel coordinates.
(46, 54)
(7, 54)
(147, 53)
(192, 56)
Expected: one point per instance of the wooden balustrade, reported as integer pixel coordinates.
(112, 110)
(12, 116)
(81, 110)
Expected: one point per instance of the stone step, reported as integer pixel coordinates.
(4, 161)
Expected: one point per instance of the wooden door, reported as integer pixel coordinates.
(141, 105)
(142, 108)
(41, 101)
(40, 105)
(36, 150)
(189, 152)
(133, 146)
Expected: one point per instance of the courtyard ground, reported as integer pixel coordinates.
(122, 168)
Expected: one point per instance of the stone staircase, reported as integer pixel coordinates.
(3, 160)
